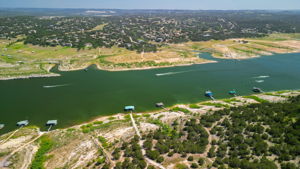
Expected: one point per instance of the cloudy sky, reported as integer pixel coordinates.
(155, 4)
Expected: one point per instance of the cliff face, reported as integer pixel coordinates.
(112, 141)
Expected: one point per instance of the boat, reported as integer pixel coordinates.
(208, 93)
(86, 70)
(2, 126)
(256, 90)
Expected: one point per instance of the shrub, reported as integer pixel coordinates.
(194, 165)
(190, 158)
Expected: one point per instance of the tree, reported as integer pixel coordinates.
(201, 161)
(194, 165)
(190, 158)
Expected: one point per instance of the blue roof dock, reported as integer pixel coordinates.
(208, 93)
(129, 108)
(232, 92)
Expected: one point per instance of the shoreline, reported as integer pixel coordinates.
(120, 115)
(30, 76)
(99, 68)
(51, 74)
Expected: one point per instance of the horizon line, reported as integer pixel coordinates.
(153, 9)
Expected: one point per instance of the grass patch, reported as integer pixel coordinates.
(176, 109)
(3, 154)
(100, 125)
(231, 100)
(282, 92)
(99, 27)
(273, 45)
(256, 99)
(111, 118)
(251, 52)
(219, 105)
(40, 157)
(194, 106)
(146, 115)
(181, 166)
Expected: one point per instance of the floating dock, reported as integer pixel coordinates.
(23, 123)
(51, 123)
(232, 92)
(161, 104)
(2, 126)
(129, 108)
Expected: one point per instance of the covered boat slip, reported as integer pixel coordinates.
(22, 123)
(51, 123)
(129, 108)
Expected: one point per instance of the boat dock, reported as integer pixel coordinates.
(232, 93)
(129, 108)
(160, 105)
(22, 123)
(51, 123)
(209, 94)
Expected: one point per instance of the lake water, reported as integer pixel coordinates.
(79, 96)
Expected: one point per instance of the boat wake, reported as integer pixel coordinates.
(54, 86)
(259, 81)
(172, 73)
(261, 77)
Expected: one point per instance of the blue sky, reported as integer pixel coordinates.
(155, 4)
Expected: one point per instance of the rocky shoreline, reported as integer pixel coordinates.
(30, 76)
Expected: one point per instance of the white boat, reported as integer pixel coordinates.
(1, 126)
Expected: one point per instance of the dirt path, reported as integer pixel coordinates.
(28, 157)
(2, 163)
(3, 141)
(135, 126)
(106, 153)
(149, 161)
